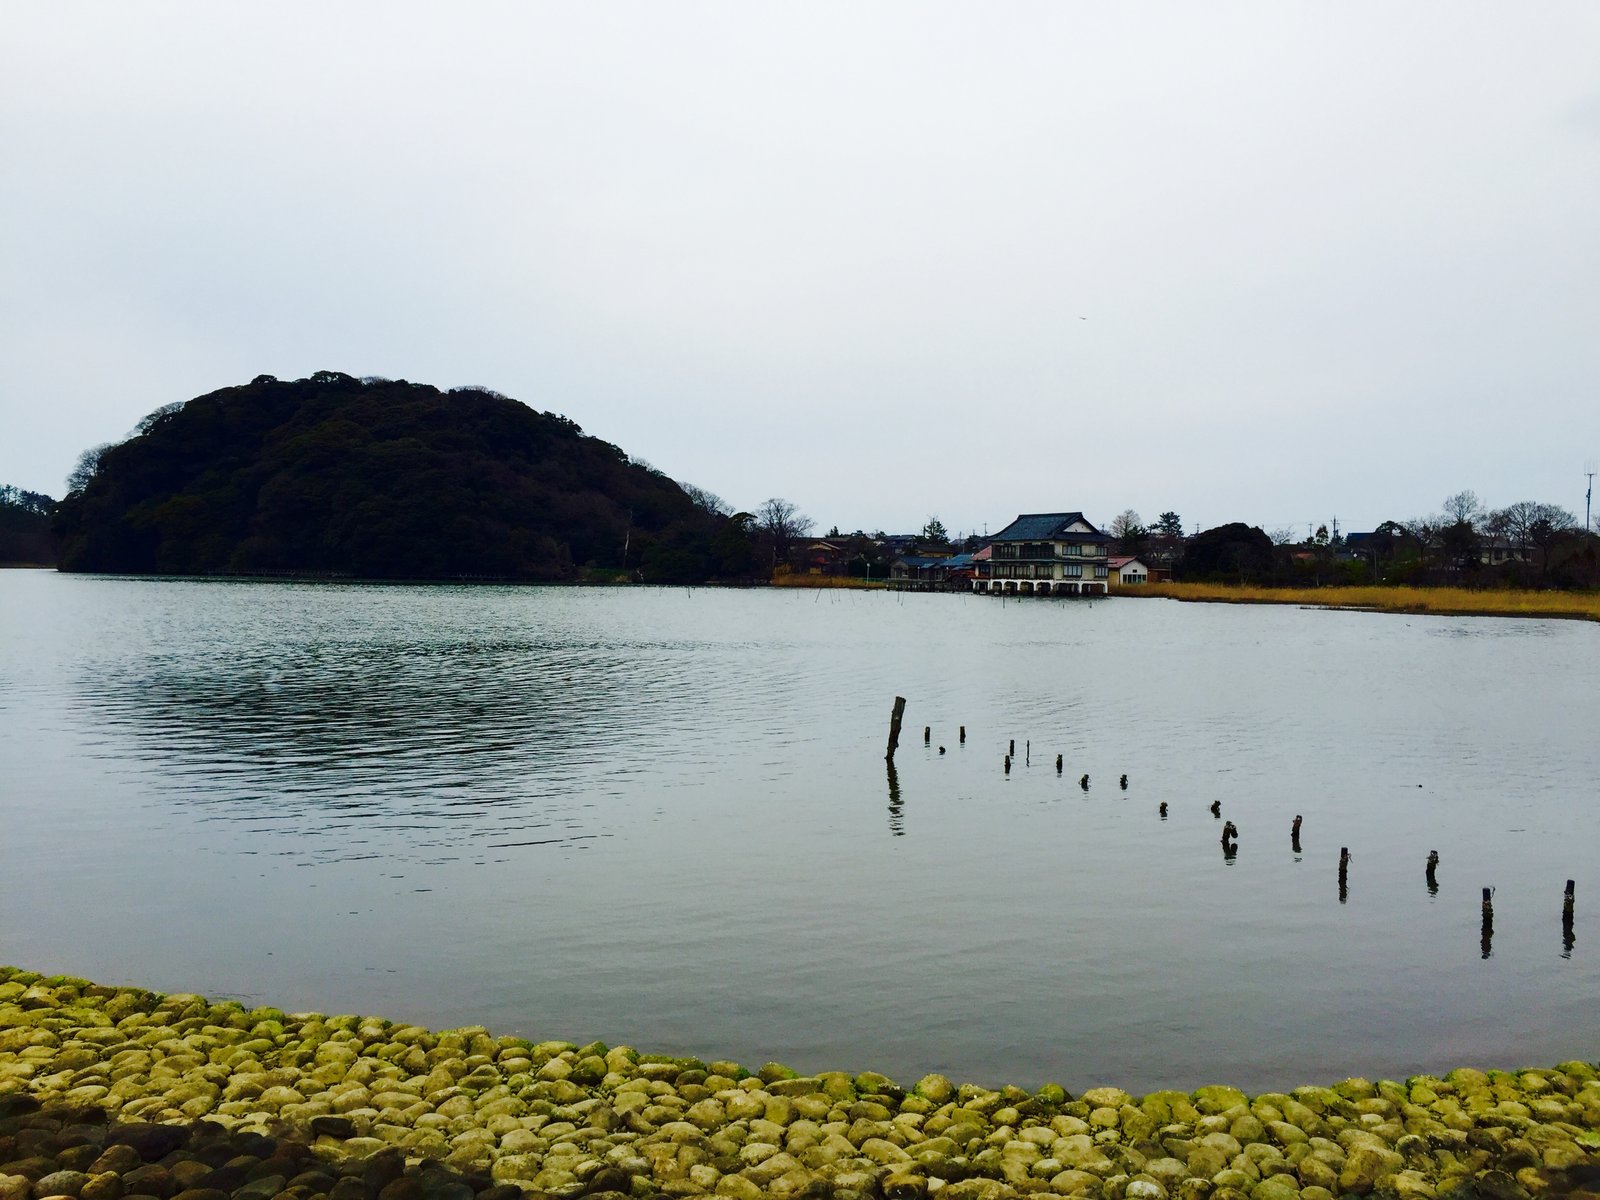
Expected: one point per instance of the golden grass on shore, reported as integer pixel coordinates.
(827, 581)
(1444, 601)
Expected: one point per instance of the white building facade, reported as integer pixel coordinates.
(1046, 554)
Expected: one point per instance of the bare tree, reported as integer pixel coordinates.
(1282, 536)
(782, 523)
(87, 467)
(1514, 522)
(1425, 531)
(155, 418)
(1463, 508)
(1127, 524)
(706, 500)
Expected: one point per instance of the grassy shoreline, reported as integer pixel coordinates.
(1436, 601)
(551, 1118)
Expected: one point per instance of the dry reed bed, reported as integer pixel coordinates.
(1440, 601)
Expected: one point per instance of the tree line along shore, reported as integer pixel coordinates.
(113, 1092)
(332, 476)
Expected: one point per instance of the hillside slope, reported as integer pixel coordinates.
(376, 479)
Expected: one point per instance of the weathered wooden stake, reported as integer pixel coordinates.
(1568, 902)
(963, 735)
(1230, 833)
(1012, 749)
(895, 718)
(1027, 753)
(941, 749)
(1433, 864)
(1163, 810)
(1124, 783)
(1084, 783)
(1058, 764)
(1486, 938)
(1216, 808)
(1344, 874)
(1008, 764)
(927, 735)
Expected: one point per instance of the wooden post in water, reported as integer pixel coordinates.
(1486, 937)
(963, 735)
(1012, 748)
(1058, 764)
(1027, 753)
(895, 718)
(1163, 810)
(1008, 764)
(1344, 873)
(1568, 902)
(927, 735)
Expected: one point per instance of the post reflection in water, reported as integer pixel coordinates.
(897, 825)
(1568, 903)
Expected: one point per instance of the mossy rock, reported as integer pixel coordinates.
(873, 1083)
(1218, 1099)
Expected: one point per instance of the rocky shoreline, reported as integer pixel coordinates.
(110, 1092)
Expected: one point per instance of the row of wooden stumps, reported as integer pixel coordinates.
(1230, 834)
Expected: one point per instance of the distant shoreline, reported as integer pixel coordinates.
(1434, 602)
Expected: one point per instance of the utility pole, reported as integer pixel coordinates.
(1588, 469)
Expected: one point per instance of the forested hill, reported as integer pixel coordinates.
(25, 528)
(380, 479)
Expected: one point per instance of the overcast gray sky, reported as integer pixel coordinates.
(1270, 262)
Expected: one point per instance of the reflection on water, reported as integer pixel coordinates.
(897, 824)
(656, 817)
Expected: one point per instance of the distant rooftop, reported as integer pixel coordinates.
(1043, 527)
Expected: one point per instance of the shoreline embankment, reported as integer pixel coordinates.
(1426, 601)
(111, 1092)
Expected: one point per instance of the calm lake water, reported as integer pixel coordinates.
(662, 818)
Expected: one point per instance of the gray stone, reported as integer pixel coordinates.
(60, 1183)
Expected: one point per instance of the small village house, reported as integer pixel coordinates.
(1127, 570)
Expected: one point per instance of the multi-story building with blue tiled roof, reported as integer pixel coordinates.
(1047, 554)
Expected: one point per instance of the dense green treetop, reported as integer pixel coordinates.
(376, 478)
(1233, 553)
(25, 527)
